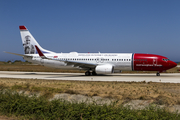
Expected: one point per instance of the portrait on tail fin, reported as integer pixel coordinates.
(28, 46)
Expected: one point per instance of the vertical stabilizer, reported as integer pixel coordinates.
(29, 42)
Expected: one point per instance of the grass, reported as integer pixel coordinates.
(24, 107)
(159, 93)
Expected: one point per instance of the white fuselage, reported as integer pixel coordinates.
(118, 61)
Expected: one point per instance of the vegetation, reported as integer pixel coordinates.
(159, 93)
(24, 107)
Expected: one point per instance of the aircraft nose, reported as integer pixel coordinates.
(172, 64)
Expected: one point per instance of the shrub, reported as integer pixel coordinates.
(13, 103)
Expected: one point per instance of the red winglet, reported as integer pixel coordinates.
(39, 52)
(22, 28)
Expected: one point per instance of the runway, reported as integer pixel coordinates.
(165, 77)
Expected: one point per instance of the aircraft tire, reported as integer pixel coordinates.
(87, 73)
(94, 73)
(157, 74)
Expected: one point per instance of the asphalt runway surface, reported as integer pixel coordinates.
(165, 77)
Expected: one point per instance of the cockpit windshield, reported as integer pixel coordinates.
(165, 59)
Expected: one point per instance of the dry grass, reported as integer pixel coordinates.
(160, 93)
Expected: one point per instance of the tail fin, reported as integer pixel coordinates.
(29, 42)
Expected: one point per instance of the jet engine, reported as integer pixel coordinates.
(104, 69)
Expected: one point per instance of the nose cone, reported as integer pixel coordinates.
(172, 64)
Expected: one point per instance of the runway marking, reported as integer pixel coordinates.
(165, 77)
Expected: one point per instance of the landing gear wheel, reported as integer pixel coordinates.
(157, 74)
(94, 73)
(90, 73)
(87, 73)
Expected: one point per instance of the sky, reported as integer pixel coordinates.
(106, 26)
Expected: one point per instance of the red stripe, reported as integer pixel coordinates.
(39, 51)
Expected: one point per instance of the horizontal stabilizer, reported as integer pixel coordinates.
(18, 54)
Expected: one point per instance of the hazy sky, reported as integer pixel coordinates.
(120, 26)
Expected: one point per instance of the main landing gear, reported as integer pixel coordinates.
(90, 73)
(157, 74)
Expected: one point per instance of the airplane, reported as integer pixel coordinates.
(92, 63)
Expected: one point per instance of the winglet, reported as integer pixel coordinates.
(40, 53)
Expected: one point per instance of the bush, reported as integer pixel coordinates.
(13, 103)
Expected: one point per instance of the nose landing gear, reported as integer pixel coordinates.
(158, 74)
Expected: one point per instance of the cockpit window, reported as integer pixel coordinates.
(165, 59)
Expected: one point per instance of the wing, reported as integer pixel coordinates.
(83, 65)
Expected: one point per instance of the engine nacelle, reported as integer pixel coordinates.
(104, 69)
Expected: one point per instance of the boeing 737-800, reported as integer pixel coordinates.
(93, 63)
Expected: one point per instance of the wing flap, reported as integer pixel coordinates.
(80, 64)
